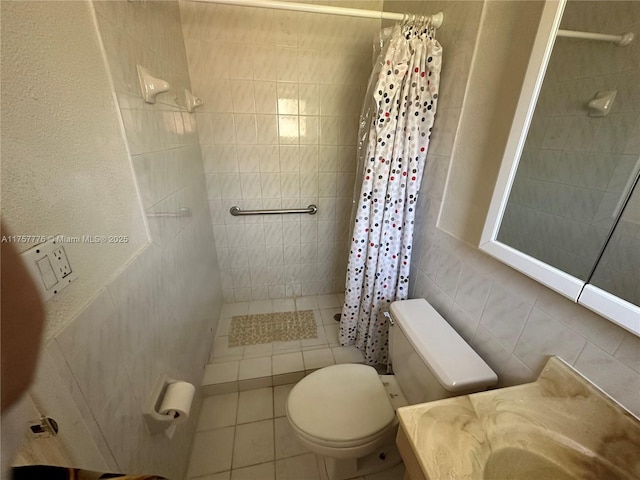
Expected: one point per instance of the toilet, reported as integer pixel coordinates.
(346, 413)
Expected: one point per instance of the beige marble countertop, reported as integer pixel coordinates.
(559, 427)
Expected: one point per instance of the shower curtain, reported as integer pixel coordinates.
(394, 141)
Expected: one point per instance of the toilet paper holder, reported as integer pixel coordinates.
(157, 422)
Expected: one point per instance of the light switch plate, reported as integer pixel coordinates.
(50, 268)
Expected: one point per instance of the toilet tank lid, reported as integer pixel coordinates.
(454, 363)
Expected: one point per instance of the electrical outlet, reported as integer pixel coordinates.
(50, 267)
(62, 264)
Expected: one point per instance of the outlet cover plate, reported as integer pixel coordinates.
(50, 268)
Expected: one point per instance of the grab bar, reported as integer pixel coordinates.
(235, 211)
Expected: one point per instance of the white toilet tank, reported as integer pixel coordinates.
(429, 359)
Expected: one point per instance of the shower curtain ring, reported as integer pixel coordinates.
(426, 22)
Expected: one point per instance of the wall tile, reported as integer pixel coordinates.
(267, 126)
(515, 372)
(309, 99)
(242, 95)
(464, 324)
(448, 274)
(290, 185)
(288, 129)
(93, 334)
(269, 159)
(545, 336)
(490, 349)
(612, 376)
(596, 329)
(266, 97)
(218, 98)
(629, 351)
(309, 129)
(504, 315)
(231, 186)
(246, 129)
(54, 390)
(138, 307)
(222, 126)
(287, 99)
(308, 158)
(250, 185)
(472, 291)
(277, 75)
(286, 67)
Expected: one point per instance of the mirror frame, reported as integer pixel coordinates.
(619, 311)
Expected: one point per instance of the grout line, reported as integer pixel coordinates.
(233, 447)
(237, 408)
(524, 325)
(617, 347)
(273, 424)
(580, 354)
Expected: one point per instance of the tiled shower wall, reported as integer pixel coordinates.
(575, 168)
(512, 321)
(282, 94)
(158, 315)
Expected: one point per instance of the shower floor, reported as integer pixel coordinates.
(244, 367)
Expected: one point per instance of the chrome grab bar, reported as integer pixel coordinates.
(184, 212)
(235, 211)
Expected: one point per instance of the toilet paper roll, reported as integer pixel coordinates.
(177, 401)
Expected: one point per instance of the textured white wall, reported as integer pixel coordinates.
(65, 167)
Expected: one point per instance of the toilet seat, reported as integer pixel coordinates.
(342, 406)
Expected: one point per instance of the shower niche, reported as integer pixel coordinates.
(566, 207)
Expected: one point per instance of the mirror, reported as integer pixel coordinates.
(618, 270)
(564, 210)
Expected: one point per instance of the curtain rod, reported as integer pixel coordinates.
(436, 20)
(622, 40)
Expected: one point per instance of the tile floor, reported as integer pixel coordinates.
(246, 436)
(243, 433)
(249, 367)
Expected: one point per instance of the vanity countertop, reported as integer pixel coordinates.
(560, 426)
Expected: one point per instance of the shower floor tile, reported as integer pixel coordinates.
(325, 333)
(276, 363)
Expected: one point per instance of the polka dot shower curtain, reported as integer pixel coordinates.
(405, 98)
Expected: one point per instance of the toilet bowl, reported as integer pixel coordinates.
(342, 411)
(346, 413)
